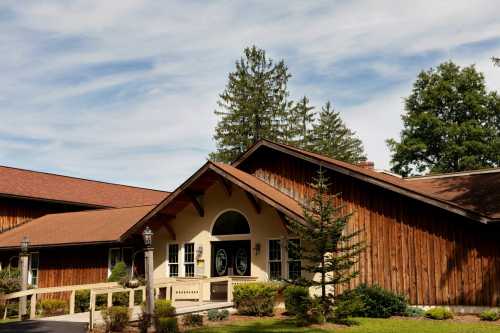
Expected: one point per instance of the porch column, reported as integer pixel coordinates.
(23, 262)
(147, 234)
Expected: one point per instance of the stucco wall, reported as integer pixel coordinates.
(190, 227)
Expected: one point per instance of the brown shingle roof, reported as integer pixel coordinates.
(475, 191)
(445, 196)
(91, 226)
(45, 186)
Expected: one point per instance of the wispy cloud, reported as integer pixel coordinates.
(125, 90)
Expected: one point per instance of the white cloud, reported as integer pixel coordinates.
(153, 127)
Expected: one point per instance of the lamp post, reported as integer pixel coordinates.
(147, 236)
(23, 261)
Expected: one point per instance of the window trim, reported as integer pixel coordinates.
(184, 263)
(30, 268)
(268, 257)
(178, 263)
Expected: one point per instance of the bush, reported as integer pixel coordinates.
(193, 320)
(52, 307)
(377, 302)
(10, 280)
(82, 300)
(346, 308)
(412, 311)
(255, 299)
(216, 315)
(297, 300)
(439, 314)
(101, 301)
(116, 318)
(119, 272)
(489, 315)
(120, 298)
(164, 308)
(167, 325)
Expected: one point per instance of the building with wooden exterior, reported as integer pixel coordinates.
(433, 238)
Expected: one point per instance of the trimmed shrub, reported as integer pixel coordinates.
(438, 313)
(216, 315)
(167, 325)
(52, 307)
(82, 300)
(164, 308)
(10, 280)
(297, 300)
(345, 308)
(412, 311)
(193, 320)
(119, 272)
(116, 318)
(378, 302)
(255, 299)
(489, 315)
(120, 298)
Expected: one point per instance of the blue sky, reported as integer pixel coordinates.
(124, 91)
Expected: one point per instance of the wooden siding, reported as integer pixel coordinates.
(17, 211)
(432, 256)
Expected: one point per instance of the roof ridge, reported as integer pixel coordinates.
(454, 174)
(81, 178)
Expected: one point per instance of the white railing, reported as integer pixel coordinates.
(176, 289)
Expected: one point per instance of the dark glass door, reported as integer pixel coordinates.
(230, 258)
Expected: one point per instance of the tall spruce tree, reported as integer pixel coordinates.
(297, 124)
(331, 137)
(451, 123)
(326, 248)
(252, 105)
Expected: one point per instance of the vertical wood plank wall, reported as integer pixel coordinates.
(432, 256)
(17, 211)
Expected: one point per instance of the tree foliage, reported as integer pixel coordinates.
(326, 248)
(252, 104)
(451, 123)
(332, 138)
(255, 105)
(496, 61)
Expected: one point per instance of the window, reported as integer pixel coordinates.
(189, 259)
(33, 272)
(119, 254)
(294, 267)
(274, 259)
(231, 223)
(173, 260)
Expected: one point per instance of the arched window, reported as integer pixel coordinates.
(230, 223)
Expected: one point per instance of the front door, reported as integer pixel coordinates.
(231, 258)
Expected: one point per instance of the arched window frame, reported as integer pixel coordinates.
(230, 237)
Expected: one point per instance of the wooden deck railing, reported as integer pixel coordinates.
(176, 289)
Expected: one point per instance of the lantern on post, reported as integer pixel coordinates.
(25, 243)
(147, 236)
(23, 261)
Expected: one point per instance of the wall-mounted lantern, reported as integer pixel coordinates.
(199, 252)
(257, 249)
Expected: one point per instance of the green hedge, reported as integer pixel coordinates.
(116, 318)
(52, 307)
(374, 301)
(255, 299)
(439, 313)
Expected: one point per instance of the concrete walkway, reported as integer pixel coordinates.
(182, 307)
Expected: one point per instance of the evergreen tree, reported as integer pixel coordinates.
(451, 123)
(331, 137)
(252, 105)
(325, 248)
(299, 121)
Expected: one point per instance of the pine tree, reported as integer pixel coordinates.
(252, 104)
(326, 248)
(298, 123)
(496, 61)
(332, 138)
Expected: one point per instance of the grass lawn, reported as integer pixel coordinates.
(366, 326)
